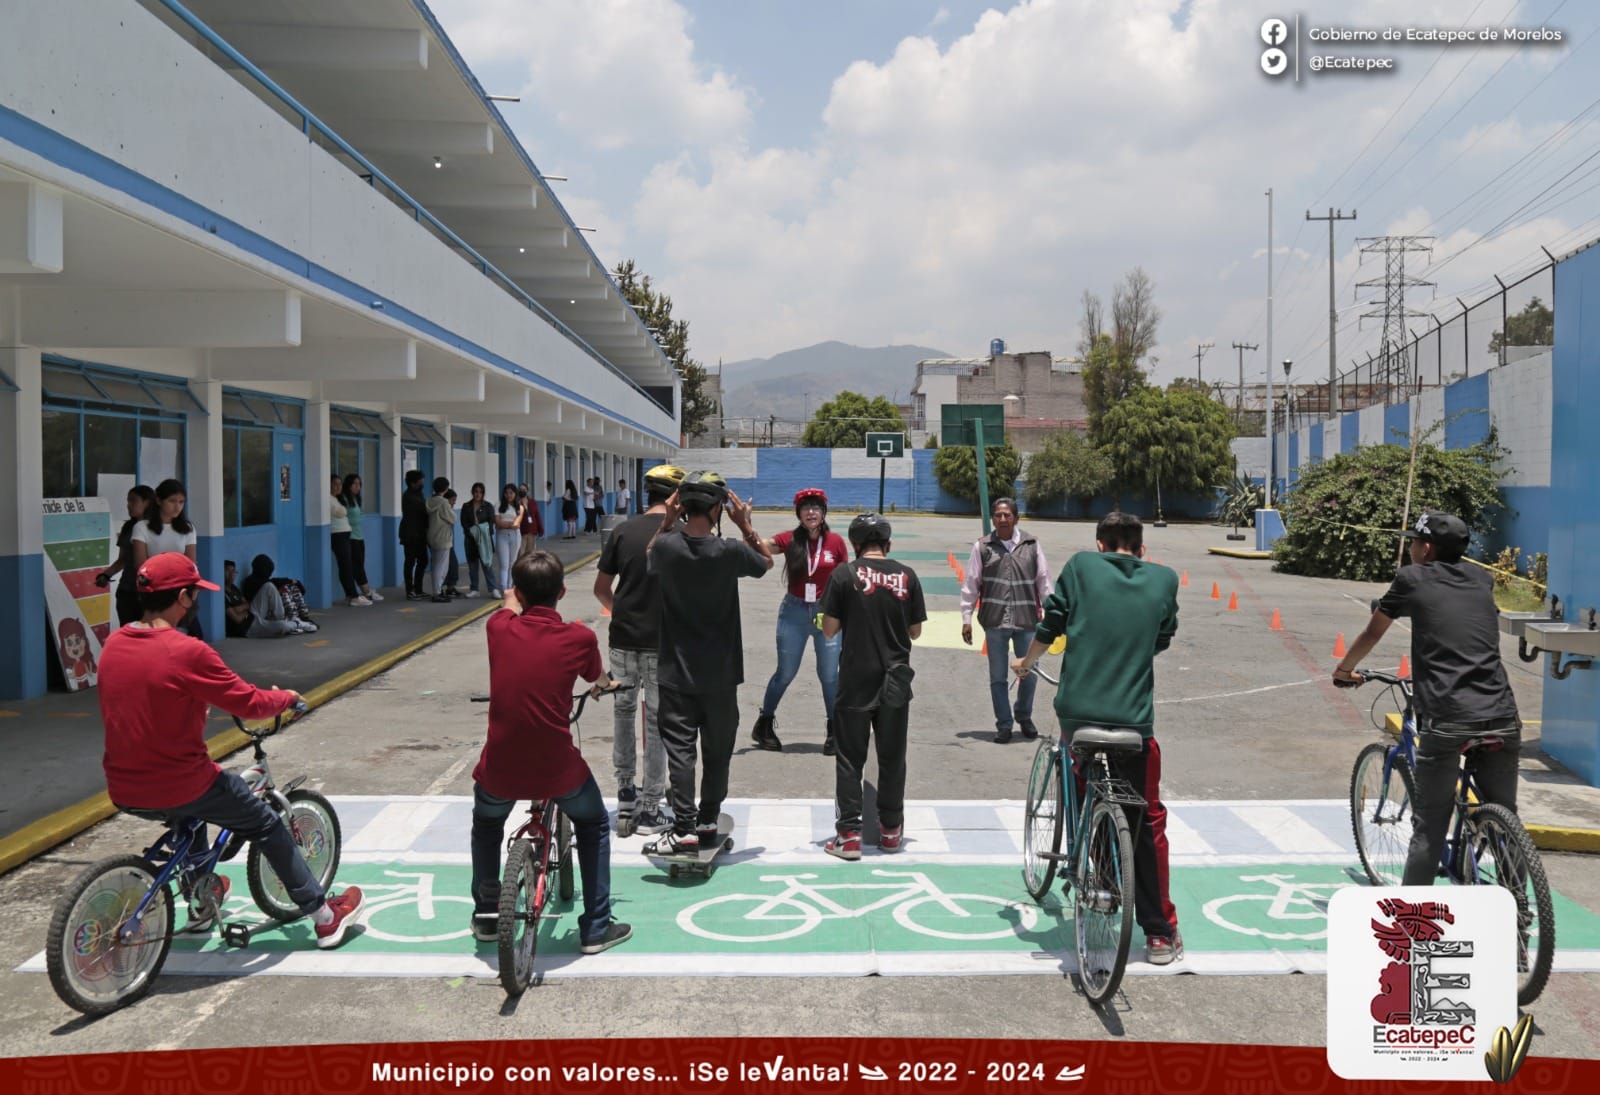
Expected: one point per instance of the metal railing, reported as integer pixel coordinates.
(309, 122)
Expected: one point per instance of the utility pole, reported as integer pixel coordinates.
(1242, 347)
(1199, 355)
(1393, 311)
(1272, 443)
(1333, 311)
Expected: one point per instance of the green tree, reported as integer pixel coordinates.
(956, 469)
(1113, 359)
(1535, 325)
(1067, 467)
(1107, 381)
(845, 420)
(1171, 441)
(672, 335)
(1336, 511)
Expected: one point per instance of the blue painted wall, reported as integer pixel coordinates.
(1397, 419)
(1571, 730)
(1316, 444)
(24, 634)
(1466, 411)
(209, 553)
(1349, 432)
(1294, 457)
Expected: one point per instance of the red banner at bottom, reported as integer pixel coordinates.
(813, 1066)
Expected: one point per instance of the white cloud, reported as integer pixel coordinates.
(616, 73)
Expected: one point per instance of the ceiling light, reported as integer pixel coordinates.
(437, 163)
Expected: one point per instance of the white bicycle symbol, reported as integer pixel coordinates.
(1292, 901)
(418, 892)
(800, 907)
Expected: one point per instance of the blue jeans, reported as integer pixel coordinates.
(1004, 644)
(591, 826)
(795, 629)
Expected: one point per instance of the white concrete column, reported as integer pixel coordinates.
(384, 556)
(23, 671)
(205, 497)
(322, 579)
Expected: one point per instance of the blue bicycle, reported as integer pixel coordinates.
(1485, 843)
(112, 928)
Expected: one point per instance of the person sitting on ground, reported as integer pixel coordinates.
(236, 613)
(156, 686)
(1118, 612)
(274, 612)
(535, 661)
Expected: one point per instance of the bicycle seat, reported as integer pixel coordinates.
(1092, 739)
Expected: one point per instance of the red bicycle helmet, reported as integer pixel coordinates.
(810, 494)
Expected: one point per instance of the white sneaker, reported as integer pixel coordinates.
(359, 602)
(307, 625)
(374, 596)
(471, 593)
(294, 627)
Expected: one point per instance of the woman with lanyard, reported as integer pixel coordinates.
(809, 553)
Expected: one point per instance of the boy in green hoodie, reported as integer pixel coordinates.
(1118, 612)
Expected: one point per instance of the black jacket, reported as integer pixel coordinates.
(413, 517)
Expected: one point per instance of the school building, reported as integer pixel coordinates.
(250, 246)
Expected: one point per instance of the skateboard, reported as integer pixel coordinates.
(702, 862)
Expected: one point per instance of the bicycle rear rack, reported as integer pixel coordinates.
(1118, 790)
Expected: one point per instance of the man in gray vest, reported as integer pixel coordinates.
(1006, 583)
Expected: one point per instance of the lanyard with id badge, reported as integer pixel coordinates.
(812, 562)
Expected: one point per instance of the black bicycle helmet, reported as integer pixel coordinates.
(870, 528)
(702, 491)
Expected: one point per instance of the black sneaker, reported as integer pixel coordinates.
(828, 747)
(616, 932)
(415, 597)
(764, 736)
(1029, 731)
(1002, 735)
(651, 820)
(707, 834)
(627, 801)
(486, 927)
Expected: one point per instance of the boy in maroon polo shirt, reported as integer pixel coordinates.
(155, 686)
(535, 660)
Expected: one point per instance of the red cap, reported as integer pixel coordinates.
(170, 570)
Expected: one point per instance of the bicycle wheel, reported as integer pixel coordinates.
(1380, 814)
(1041, 825)
(99, 960)
(1103, 901)
(522, 895)
(564, 856)
(1504, 855)
(315, 829)
(763, 908)
(1013, 917)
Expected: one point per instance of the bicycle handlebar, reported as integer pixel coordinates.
(293, 712)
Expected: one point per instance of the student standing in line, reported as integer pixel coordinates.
(478, 514)
(509, 537)
(569, 511)
(166, 527)
(350, 498)
(414, 534)
(810, 554)
(140, 500)
(339, 535)
(441, 538)
(624, 498)
(699, 650)
(877, 602)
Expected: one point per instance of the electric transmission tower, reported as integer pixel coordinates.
(1394, 363)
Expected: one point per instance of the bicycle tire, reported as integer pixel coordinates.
(1502, 840)
(84, 948)
(1042, 821)
(1103, 901)
(564, 855)
(521, 902)
(1380, 822)
(314, 827)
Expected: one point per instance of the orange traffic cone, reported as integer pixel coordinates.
(1338, 646)
(1233, 601)
(1184, 580)
(1216, 592)
(1405, 667)
(1277, 622)
(985, 650)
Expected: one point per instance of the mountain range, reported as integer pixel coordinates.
(792, 384)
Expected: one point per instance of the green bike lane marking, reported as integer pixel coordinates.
(832, 919)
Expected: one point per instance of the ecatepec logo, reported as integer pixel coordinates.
(1419, 980)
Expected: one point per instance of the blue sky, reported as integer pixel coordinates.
(884, 171)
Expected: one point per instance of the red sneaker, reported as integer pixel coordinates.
(844, 845)
(889, 839)
(344, 909)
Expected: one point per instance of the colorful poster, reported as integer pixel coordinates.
(77, 546)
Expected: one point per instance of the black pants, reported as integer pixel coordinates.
(358, 562)
(888, 727)
(1152, 890)
(712, 720)
(341, 557)
(591, 521)
(415, 567)
(1438, 767)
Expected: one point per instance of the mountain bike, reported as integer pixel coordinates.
(1099, 841)
(1485, 843)
(112, 927)
(539, 849)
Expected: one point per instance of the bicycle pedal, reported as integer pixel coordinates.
(236, 935)
(1054, 857)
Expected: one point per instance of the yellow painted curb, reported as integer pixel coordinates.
(42, 835)
(1557, 838)
(1239, 553)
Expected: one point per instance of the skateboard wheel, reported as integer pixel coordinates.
(710, 871)
(672, 871)
(727, 845)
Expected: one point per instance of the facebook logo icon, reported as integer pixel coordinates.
(1274, 32)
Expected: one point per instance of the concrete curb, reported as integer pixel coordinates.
(1239, 553)
(61, 826)
(1556, 838)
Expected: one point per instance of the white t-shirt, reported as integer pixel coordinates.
(168, 539)
(588, 496)
(624, 499)
(338, 516)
